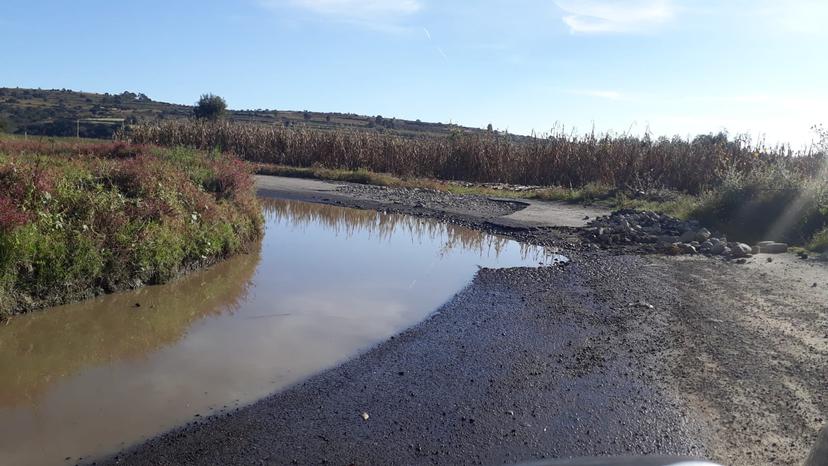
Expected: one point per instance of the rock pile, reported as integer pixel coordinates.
(667, 234)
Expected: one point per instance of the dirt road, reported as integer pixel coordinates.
(615, 353)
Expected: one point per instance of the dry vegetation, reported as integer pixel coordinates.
(740, 188)
(558, 159)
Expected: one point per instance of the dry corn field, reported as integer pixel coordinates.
(557, 159)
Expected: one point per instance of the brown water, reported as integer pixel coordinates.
(88, 379)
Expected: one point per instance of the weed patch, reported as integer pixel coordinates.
(79, 219)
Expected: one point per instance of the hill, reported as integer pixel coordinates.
(63, 112)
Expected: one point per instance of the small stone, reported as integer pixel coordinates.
(364, 416)
(670, 248)
(685, 248)
(740, 250)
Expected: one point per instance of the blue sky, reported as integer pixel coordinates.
(671, 66)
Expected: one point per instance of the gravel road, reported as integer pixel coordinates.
(614, 354)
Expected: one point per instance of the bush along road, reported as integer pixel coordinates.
(81, 219)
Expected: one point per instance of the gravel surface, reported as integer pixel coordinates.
(521, 365)
(480, 206)
(751, 353)
(615, 353)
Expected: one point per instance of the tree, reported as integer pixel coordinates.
(489, 128)
(210, 107)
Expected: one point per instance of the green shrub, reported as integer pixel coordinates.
(819, 242)
(767, 204)
(210, 107)
(90, 218)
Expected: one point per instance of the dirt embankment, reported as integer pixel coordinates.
(614, 354)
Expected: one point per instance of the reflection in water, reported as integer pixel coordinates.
(90, 378)
(40, 349)
(382, 227)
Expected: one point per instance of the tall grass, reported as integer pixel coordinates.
(769, 204)
(558, 159)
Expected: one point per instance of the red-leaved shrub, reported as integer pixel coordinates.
(10, 215)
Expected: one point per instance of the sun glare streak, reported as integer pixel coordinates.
(812, 192)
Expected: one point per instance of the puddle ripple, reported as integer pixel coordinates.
(88, 379)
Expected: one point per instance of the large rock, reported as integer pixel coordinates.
(718, 248)
(687, 236)
(740, 250)
(770, 247)
(703, 235)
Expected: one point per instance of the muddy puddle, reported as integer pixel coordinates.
(86, 380)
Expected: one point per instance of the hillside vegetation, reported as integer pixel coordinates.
(78, 219)
(56, 113)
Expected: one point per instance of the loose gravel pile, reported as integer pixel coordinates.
(430, 199)
(666, 234)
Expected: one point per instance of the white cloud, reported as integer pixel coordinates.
(617, 16)
(797, 16)
(353, 9)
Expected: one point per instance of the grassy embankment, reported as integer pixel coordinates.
(79, 219)
(749, 192)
